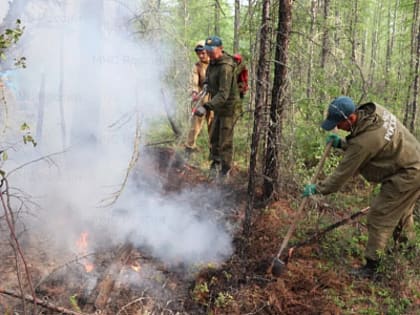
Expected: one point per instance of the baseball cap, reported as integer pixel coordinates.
(212, 41)
(199, 46)
(338, 110)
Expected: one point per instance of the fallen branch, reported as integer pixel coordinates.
(137, 300)
(40, 302)
(317, 236)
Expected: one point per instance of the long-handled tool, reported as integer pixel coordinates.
(277, 266)
(318, 235)
(197, 102)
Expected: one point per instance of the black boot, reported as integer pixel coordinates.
(369, 270)
(224, 174)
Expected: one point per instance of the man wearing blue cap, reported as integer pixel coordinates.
(224, 101)
(383, 151)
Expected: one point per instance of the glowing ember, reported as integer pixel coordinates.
(136, 267)
(88, 266)
(82, 245)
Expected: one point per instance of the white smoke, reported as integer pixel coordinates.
(84, 85)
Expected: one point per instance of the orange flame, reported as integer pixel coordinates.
(82, 245)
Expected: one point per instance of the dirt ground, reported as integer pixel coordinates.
(129, 280)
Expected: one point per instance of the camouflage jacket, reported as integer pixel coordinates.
(222, 86)
(381, 149)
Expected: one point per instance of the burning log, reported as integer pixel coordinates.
(42, 303)
(103, 289)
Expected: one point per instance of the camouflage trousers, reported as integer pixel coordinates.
(221, 141)
(391, 214)
(196, 126)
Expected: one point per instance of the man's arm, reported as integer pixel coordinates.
(195, 81)
(354, 158)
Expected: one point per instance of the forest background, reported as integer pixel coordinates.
(300, 55)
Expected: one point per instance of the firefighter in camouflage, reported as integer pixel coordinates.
(383, 151)
(224, 101)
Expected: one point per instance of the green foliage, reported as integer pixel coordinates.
(342, 244)
(74, 303)
(223, 299)
(8, 38)
(27, 137)
(4, 156)
(200, 293)
(227, 275)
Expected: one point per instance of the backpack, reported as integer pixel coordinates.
(241, 75)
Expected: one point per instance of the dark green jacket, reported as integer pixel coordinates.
(381, 149)
(222, 86)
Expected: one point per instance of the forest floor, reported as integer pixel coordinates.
(128, 280)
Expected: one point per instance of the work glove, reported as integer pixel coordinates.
(309, 190)
(200, 111)
(334, 139)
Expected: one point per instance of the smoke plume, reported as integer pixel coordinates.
(88, 84)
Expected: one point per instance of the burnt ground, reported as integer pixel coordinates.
(129, 280)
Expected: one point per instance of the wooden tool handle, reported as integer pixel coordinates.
(304, 200)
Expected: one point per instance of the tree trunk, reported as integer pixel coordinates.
(353, 26)
(278, 100)
(61, 94)
(416, 85)
(363, 50)
(87, 114)
(374, 44)
(354, 43)
(411, 103)
(392, 17)
(325, 37)
(262, 85)
(314, 9)
(216, 17)
(416, 88)
(41, 108)
(237, 26)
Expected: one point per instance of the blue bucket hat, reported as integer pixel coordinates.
(213, 41)
(338, 110)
